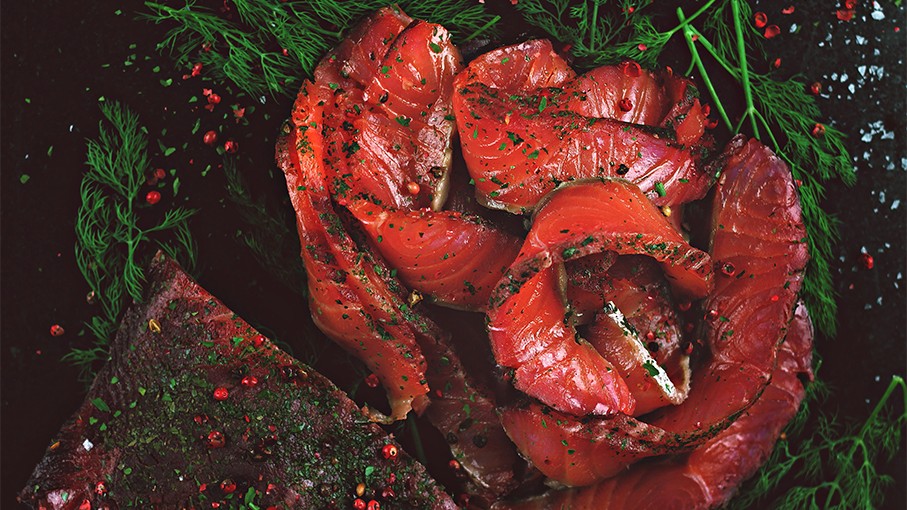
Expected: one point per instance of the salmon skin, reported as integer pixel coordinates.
(526, 322)
(757, 230)
(526, 125)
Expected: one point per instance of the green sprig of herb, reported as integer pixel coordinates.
(834, 467)
(270, 45)
(112, 245)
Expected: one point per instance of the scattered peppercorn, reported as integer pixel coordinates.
(153, 197)
(221, 393)
(57, 330)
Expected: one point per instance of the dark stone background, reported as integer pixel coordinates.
(60, 57)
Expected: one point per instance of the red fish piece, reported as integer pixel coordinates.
(757, 227)
(349, 300)
(520, 68)
(457, 259)
(710, 475)
(516, 154)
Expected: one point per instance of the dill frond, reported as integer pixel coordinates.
(835, 467)
(111, 244)
(271, 45)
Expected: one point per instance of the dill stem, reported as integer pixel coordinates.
(697, 62)
(594, 23)
(483, 28)
(685, 22)
(417, 439)
(744, 69)
(859, 440)
(710, 48)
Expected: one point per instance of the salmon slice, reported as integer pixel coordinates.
(527, 123)
(527, 321)
(757, 229)
(388, 123)
(348, 297)
(710, 475)
(646, 339)
(631, 94)
(454, 258)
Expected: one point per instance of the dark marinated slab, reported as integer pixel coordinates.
(158, 430)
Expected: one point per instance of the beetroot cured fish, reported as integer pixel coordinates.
(757, 240)
(388, 125)
(526, 126)
(710, 475)
(526, 323)
(456, 259)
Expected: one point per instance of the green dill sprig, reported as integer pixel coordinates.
(270, 45)
(111, 241)
(836, 466)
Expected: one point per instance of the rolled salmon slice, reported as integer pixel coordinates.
(710, 475)
(757, 229)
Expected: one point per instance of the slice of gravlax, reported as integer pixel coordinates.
(710, 475)
(196, 409)
(388, 123)
(757, 230)
(350, 300)
(454, 258)
(527, 126)
(529, 327)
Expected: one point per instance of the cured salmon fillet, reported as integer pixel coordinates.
(527, 125)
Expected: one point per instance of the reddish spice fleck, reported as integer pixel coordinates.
(771, 31)
(777, 63)
(197, 69)
(566, 49)
(206, 47)
(216, 439)
(688, 349)
(372, 381)
(201, 419)
(630, 68)
(213, 98)
(728, 269)
(153, 197)
(625, 104)
(815, 88)
(203, 487)
(712, 315)
(57, 330)
(760, 19)
(86, 505)
(215, 504)
(818, 130)
(228, 486)
(711, 123)
(221, 393)
(231, 146)
(389, 451)
(775, 298)
(258, 340)
(453, 464)
(359, 504)
(850, 4)
(642, 47)
(798, 182)
(373, 505)
(413, 188)
(249, 381)
(845, 14)
(650, 336)
(630, 9)
(285, 52)
(160, 173)
(388, 493)
(210, 137)
(239, 113)
(867, 260)
(391, 478)
(788, 10)
(100, 489)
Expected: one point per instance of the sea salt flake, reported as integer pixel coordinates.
(88, 445)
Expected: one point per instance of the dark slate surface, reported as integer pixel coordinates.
(60, 57)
